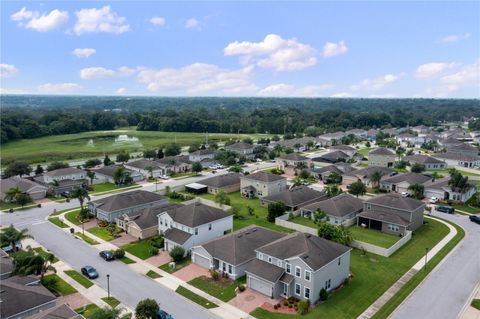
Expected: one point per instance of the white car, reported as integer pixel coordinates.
(405, 194)
(434, 200)
(164, 177)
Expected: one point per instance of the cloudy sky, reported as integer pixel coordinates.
(311, 49)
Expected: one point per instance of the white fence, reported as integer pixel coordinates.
(283, 221)
(207, 202)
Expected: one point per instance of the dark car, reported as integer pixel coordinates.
(90, 272)
(107, 255)
(445, 209)
(475, 219)
(164, 315)
(65, 194)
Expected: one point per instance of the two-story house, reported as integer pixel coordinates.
(201, 155)
(193, 224)
(381, 157)
(63, 179)
(298, 265)
(242, 148)
(391, 213)
(261, 184)
(293, 160)
(106, 174)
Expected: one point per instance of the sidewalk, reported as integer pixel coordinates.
(224, 310)
(468, 312)
(387, 295)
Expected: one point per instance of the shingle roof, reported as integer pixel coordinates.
(144, 163)
(422, 159)
(126, 200)
(389, 218)
(296, 196)
(148, 217)
(332, 156)
(264, 177)
(411, 178)
(64, 171)
(294, 157)
(316, 252)
(23, 184)
(110, 170)
(340, 205)
(456, 156)
(58, 312)
(239, 146)
(176, 235)
(396, 201)
(222, 180)
(381, 151)
(196, 214)
(329, 168)
(264, 270)
(343, 148)
(239, 247)
(368, 172)
(203, 152)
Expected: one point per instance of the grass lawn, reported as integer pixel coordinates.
(466, 208)
(72, 217)
(88, 310)
(373, 237)
(101, 232)
(365, 286)
(108, 187)
(87, 239)
(43, 253)
(56, 221)
(126, 260)
(15, 206)
(62, 287)
(111, 301)
(445, 172)
(185, 262)
(223, 289)
(195, 298)
(259, 216)
(364, 151)
(303, 221)
(152, 274)
(58, 212)
(476, 303)
(141, 248)
(78, 277)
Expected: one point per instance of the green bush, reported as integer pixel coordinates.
(157, 241)
(323, 294)
(154, 251)
(51, 283)
(177, 253)
(119, 253)
(303, 307)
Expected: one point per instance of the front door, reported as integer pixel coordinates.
(285, 289)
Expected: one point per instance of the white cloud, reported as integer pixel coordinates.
(342, 95)
(59, 88)
(100, 20)
(331, 49)
(4, 90)
(466, 75)
(198, 78)
(7, 70)
(377, 83)
(287, 90)
(455, 37)
(430, 70)
(40, 22)
(192, 24)
(158, 21)
(99, 72)
(84, 52)
(121, 91)
(274, 53)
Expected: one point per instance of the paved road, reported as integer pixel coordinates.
(444, 293)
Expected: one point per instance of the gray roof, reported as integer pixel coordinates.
(442, 184)
(110, 170)
(62, 311)
(264, 177)
(17, 297)
(144, 163)
(174, 160)
(240, 146)
(148, 217)
(340, 205)
(126, 200)
(296, 196)
(422, 159)
(239, 247)
(381, 151)
(176, 235)
(292, 142)
(316, 252)
(388, 218)
(294, 157)
(329, 168)
(220, 181)
(64, 171)
(343, 148)
(6, 263)
(196, 214)
(396, 201)
(456, 156)
(332, 156)
(23, 184)
(368, 172)
(410, 178)
(203, 152)
(264, 270)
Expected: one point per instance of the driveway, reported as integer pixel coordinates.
(249, 300)
(191, 271)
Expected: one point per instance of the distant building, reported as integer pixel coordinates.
(63, 179)
(294, 198)
(381, 157)
(106, 174)
(261, 184)
(26, 186)
(292, 160)
(429, 162)
(242, 148)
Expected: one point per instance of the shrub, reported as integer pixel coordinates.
(154, 251)
(215, 275)
(119, 253)
(285, 303)
(157, 241)
(241, 288)
(177, 253)
(290, 306)
(51, 283)
(323, 294)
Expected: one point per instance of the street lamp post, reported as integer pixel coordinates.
(108, 285)
(426, 253)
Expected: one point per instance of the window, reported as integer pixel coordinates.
(279, 263)
(196, 231)
(224, 266)
(209, 226)
(298, 289)
(306, 293)
(339, 261)
(269, 259)
(298, 272)
(308, 275)
(392, 227)
(260, 256)
(328, 283)
(369, 206)
(288, 268)
(229, 269)
(161, 221)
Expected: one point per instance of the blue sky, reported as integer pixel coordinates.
(346, 49)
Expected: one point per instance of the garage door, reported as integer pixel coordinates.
(260, 286)
(37, 195)
(201, 261)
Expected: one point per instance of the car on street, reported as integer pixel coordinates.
(90, 272)
(445, 209)
(164, 177)
(434, 200)
(107, 255)
(65, 194)
(405, 194)
(475, 219)
(164, 315)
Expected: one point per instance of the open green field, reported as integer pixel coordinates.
(95, 144)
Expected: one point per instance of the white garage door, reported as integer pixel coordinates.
(201, 261)
(260, 286)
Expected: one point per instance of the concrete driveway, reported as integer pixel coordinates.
(249, 300)
(191, 271)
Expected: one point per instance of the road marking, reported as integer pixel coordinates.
(39, 222)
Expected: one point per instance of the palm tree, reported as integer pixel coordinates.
(459, 182)
(400, 151)
(119, 175)
(11, 236)
(12, 193)
(149, 169)
(81, 194)
(29, 262)
(91, 176)
(110, 313)
(417, 190)
(375, 178)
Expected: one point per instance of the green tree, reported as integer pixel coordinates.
(110, 313)
(92, 163)
(458, 182)
(91, 176)
(400, 151)
(11, 236)
(56, 165)
(275, 210)
(123, 157)
(11, 194)
(147, 309)
(222, 198)
(119, 175)
(417, 190)
(334, 178)
(22, 199)
(172, 149)
(358, 188)
(81, 194)
(31, 263)
(107, 161)
(339, 234)
(375, 179)
(149, 154)
(17, 168)
(149, 169)
(193, 148)
(333, 190)
(417, 168)
(197, 167)
(177, 253)
(236, 169)
(39, 170)
(160, 153)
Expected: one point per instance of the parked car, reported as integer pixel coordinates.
(434, 200)
(164, 315)
(405, 194)
(164, 176)
(107, 255)
(445, 209)
(475, 219)
(9, 248)
(65, 194)
(259, 160)
(90, 272)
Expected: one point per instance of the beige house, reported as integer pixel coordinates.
(293, 160)
(381, 157)
(262, 184)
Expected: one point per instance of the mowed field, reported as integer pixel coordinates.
(93, 144)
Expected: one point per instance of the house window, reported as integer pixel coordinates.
(161, 221)
(339, 261)
(298, 272)
(328, 283)
(196, 231)
(279, 263)
(298, 289)
(392, 227)
(369, 206)
(209, 226)
(224, 267)
(288, 268)
(260, 256)
(229, 269)
(269, 259)
(306, 293)
(308, 274)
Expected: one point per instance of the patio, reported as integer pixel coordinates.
(191, 271)
(75, 300)
(250, 299)
(123, 239)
